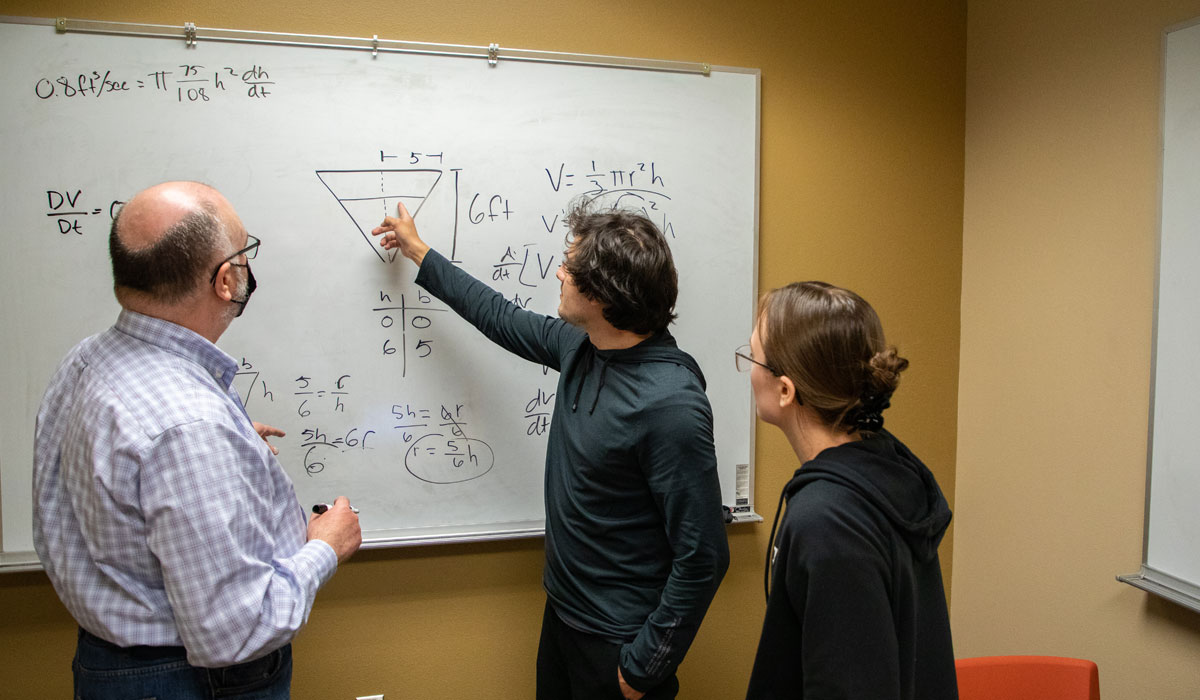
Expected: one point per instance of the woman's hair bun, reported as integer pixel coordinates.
(884, 371)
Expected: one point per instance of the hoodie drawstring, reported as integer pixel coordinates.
(587, 367)
(771, 544)
(603, 372)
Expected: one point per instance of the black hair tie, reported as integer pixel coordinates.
(869, 416)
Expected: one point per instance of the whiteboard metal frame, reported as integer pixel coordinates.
(493, 53)
(1166, 586)
(1148, 578)
(381, 539)
(28, 560)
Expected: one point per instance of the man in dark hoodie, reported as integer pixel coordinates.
(856, 607)
(635, 543)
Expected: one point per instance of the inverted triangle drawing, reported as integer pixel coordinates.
(369, 195)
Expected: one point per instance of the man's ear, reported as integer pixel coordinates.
(225, 284)
(787, 392)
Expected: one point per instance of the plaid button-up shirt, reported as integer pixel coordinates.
(160, 515)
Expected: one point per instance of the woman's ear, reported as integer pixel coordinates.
(787, 392)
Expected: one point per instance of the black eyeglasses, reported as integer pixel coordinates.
(742, 360)
(250, 251)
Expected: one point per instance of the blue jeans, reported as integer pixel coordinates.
(104, 671)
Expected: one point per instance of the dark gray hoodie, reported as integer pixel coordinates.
(635, 541)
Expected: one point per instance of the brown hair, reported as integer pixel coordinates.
(620, 259)
(830, 343)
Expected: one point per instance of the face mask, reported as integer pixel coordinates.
(251, 285)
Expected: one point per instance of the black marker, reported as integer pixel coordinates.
(322, 507)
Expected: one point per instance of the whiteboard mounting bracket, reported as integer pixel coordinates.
(189, 34)
(493, 53)
(374, 46)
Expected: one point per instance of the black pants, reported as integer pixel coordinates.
(572, 665)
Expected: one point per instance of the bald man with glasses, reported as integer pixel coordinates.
(161, 515)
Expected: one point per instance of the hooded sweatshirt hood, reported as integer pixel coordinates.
(882, 470)
(660, 347)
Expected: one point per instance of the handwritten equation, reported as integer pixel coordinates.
(638, 186)
(441, 452)
(66, 207)
(317, 442)
(187, 83)
(309, 391)
(599, 180)
(525, 268)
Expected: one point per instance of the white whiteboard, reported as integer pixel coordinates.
(1172, 539)
(386, 395)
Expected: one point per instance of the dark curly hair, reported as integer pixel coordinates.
(621, 259)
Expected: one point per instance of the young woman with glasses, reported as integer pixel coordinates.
(855, 603)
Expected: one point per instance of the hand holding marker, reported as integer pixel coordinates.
(322, 507)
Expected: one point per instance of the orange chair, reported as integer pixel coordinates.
(1027, 678)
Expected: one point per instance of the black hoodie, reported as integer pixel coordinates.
(856, 607)
(635, 542)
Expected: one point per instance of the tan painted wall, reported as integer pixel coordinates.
(862, 171)
(1059, 245)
